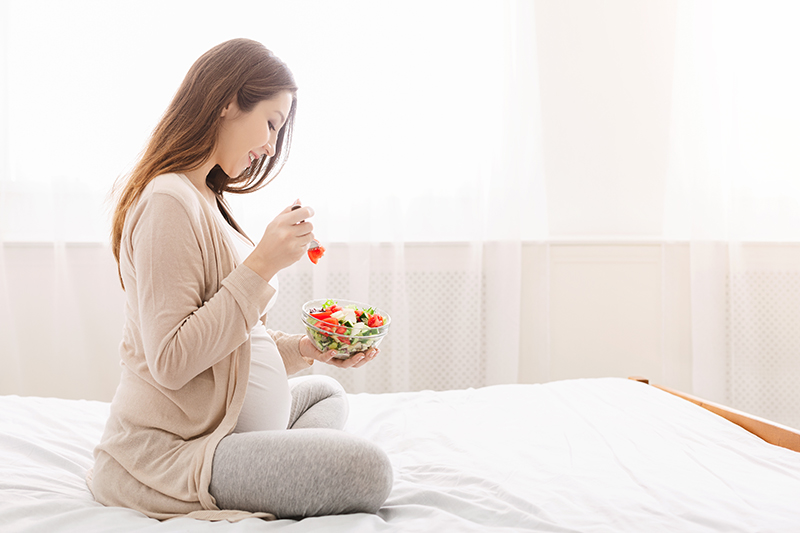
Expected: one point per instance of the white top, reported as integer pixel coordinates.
(268, 400)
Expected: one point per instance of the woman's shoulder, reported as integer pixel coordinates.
(172, 184)
(168, 195)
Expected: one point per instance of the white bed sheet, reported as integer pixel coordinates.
(595, 455)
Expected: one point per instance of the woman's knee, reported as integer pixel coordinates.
(301, 473)
(318, 402)
(324, 386)
(364, 472)
(381, 478)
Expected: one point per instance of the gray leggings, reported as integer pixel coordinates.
(312, 469)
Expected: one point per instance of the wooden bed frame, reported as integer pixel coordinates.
(771, 432)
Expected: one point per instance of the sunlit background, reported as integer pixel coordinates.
(402, 107)
(536, 190)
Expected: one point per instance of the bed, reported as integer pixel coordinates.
(586, 455)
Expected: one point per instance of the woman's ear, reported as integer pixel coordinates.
(232, 107)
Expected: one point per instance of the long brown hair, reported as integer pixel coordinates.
(187, 133)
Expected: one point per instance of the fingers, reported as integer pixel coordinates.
(284, 242)
(328, 357)
(366, 358)
(296, 218)
(355, 361)
(298, 213)
(302, 231)
(292, 224)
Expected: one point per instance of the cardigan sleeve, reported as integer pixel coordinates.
(182, 334)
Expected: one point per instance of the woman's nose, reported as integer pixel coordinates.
(269, 147)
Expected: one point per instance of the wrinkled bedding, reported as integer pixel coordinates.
(591, 455)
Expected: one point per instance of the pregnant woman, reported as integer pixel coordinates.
(205, 421)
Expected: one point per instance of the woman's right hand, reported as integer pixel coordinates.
(284, 242)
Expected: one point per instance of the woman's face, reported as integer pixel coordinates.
(245, 137)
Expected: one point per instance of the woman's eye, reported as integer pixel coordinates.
(271, 126)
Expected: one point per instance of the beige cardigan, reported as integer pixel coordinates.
(184, 355)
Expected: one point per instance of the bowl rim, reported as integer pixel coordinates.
(361, 305)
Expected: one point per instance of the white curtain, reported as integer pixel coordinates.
(416, 143)
(733, 192)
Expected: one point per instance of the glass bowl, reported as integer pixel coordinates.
(342, 339)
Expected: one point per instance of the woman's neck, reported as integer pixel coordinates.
(198, 179)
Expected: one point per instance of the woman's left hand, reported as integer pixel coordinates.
(307, 349)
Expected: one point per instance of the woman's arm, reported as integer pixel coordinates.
(182, 334)
(289, 348)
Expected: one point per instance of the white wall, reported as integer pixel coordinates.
(614, 306)
(604, 297)
(595, 309)
(65, 323)
(605, 76)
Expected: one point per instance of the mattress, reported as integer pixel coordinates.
(591, 455)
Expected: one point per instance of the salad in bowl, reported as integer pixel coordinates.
(345, 326)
